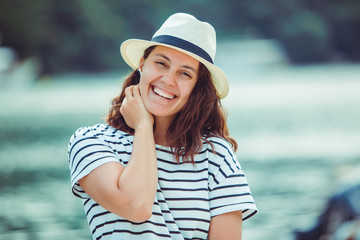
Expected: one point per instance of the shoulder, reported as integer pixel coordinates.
(99, 130)
(219, 146)
(102, 132)
(221, 155)
(98, 142)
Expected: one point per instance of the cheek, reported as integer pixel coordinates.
(144, 79)
(142, 87)
(188, 89)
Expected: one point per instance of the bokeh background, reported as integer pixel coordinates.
(293, 106)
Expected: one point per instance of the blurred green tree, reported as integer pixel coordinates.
(85, 35)
(22, 25)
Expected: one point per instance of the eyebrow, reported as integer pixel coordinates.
(184, 66)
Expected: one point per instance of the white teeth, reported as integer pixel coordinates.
(163, 94)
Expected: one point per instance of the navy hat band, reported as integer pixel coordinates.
(183, 44)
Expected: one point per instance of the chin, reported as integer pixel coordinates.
(160, 114)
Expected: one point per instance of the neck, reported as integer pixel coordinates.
(161, 128)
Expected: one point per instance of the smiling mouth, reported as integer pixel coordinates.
(163, 94)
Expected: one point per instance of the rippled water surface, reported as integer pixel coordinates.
(298, 130)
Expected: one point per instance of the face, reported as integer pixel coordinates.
(167, 80)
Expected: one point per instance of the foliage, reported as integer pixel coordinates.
(85, 35)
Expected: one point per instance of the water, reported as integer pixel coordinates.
(298, 130)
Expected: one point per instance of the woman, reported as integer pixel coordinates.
(163, 166)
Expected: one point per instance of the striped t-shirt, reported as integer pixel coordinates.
(187, 195)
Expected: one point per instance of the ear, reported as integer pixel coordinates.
(141, 64)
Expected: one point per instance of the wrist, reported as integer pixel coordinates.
(143, 126)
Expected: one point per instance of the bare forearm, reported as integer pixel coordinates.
(139, 178)
(127, 191)
(226, 226)
(137, 183)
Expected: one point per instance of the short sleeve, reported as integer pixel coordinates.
(228, 187)
(86, 151)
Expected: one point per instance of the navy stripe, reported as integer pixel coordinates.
(163, 150)
(83, 139)
(183, 180)
(87, 201)
(237, 175)
(133, 233)
(183, 44)
(124, 220)
(118, 142)
(92, 153)
(76, 194)
(170, 222)
(182, 189)
(172, 162)
(190, 209)
(213, 208)
(159, 214)
(98, 215)
(229, 196)
(86, 146)
(194, 229)
(213, 176)
(87, 131)
(187, 199)
(87, 165)
(192, 219)
(182, 171)
(103, 134)
(230, 186)
(222, 172)
(92, 206)
(228, 150)
(217, 153)
(250, 215)
(121, 152)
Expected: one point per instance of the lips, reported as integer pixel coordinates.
(163, 94)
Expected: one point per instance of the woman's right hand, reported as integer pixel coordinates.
(134, 110)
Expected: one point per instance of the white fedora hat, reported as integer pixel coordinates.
(186, 34)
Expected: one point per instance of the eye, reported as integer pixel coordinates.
(161, 63)
(186, 74)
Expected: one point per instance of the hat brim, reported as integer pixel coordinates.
(133, 49)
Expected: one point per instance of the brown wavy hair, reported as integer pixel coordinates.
(201, 117)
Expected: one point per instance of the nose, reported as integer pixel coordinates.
(169, 78)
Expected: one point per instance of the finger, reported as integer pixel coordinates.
(124, 101)
(136, 91)
(121, 109)
(129, 92)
